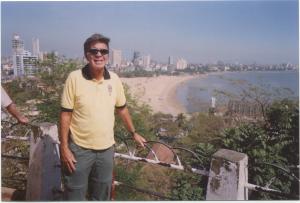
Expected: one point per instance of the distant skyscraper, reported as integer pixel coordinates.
(170, 60)
(116, 58)
(136, 55)
(146, 61)
(136, 58)
(17, 65)
(181, 64)
(18, 50)
(23, 62)
(35, 47)
(17, 44)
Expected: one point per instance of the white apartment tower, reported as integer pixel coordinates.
(146, 61)
(23, 62)
(17, 44)
(35, 46)
(116, 58)
(181, 64)
(170, 60)
(18, 50)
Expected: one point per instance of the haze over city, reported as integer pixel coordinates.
(201, 32)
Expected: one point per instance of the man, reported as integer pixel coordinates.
(10, 106)
(90, 97)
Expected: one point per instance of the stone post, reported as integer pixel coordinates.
(227, 176)
(44, 175)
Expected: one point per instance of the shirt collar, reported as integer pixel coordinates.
(87, 75)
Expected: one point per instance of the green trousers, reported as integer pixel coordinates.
(92, 178)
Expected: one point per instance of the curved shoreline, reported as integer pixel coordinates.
(159, 92)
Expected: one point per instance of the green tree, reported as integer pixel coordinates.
(271, 142)
(203, 128)
(188, 187)
(54, 72)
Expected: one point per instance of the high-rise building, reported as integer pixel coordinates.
(23, 61)
(170, 60)
(116, 58)
(146, 61)
(18, 50)
(181, 64)
(17, 65)
(136, 55)
(17, 44)
(35, 46)
(136, 58)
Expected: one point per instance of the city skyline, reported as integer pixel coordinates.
(201, 32)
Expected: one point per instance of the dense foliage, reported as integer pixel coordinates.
(136, 73)
(270, 145)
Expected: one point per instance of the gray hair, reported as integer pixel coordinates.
(95, 38)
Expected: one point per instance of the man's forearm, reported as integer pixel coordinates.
(67, 157)
(126, 118)
(124, 114)
(65, 120)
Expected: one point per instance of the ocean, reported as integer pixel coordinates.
(195, 95)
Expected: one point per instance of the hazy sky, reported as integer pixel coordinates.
(200, 32)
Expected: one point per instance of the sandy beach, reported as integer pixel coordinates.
(158, 92)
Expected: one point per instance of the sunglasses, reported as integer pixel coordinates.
(96, 51)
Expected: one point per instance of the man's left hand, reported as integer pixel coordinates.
(139, 139)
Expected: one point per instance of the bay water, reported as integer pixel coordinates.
(195, 95)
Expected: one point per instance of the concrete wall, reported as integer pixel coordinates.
(44, 176)
(227, 176)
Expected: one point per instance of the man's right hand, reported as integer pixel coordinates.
(23, 120)
(67, 158)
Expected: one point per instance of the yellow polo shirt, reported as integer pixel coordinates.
(92, 104)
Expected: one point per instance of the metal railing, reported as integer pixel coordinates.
(267, 188)
(176, 163)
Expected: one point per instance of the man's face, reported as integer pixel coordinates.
(97, 55)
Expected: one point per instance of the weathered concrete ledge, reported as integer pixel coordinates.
(227, 176)
(44, 176)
